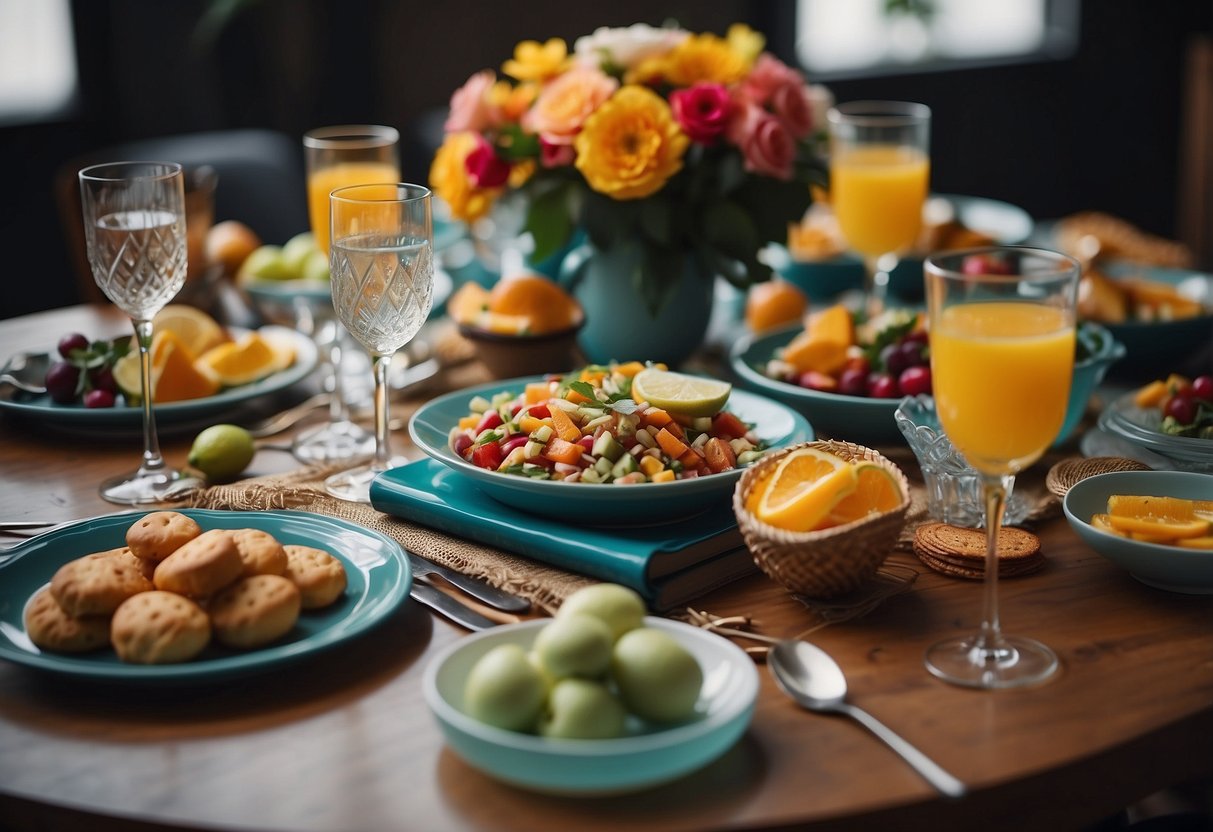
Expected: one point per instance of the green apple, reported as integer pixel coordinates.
(574, 645)
(316, 267)
(582, 709)
(265, 263)
(505, 690)
(618, 607)
(658, 679)
(297, 250)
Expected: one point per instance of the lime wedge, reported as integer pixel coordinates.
(680, 393)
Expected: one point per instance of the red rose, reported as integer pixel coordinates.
(792, 105)
(765, 143)
(485, 168)
(702, 111)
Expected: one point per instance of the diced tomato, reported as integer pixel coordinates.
(719, 455)
(558, 450)
(488, 455)
(515, 408)
(539, 411)
(490, 420)
(727, 425)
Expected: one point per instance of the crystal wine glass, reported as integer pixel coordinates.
(1002, 356)
(134, 228)
(879, 167)
(382, 266)
(335, 157)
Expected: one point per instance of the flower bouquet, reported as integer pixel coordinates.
(675, 143)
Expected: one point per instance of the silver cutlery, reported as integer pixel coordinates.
(810, 676)
(289, 417)
(24, 371)
(448, 607)
(475, 587)
(25, 525)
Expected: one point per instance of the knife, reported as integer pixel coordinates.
(449, 607)
(477, 588)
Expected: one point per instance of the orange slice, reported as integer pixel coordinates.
(805, 486)
(546, 306)
(773, 304)
(240, 362)
(1202, 542)
(468, 302)
(1160, 528)
(196, 330)
(1100, 521)
(174, 375)
(876, 491)
(1147, 508)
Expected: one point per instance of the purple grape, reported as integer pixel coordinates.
(893, 359)
(102, 378)
(853, 382)
(911, 354)
(61, 382)
(98, 398)
(72, 341)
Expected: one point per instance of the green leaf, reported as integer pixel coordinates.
(514, 144)
(548, 220)
(585, 389)
(771, 205)
(730, 173)
(625, 406)
(727, 228)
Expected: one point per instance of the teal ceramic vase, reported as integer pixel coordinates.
(619, 325)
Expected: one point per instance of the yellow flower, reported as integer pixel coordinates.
(631, 146)
(705, 57)
(449, 178)
(521, 172)
(745, 42)
(512, 100)
(535, 61)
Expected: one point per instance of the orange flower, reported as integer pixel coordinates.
(512, 100)
(631, 146)
(450, 181)
(535, 61)
(567, 102)
(705, 57)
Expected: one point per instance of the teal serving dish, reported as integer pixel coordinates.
(1164, 567)
(1103, 351)
(1155, 348)
(646, 756)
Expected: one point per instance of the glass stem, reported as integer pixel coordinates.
(997, 490)
(337, 409)
(382, 452)
(876, 282)
(152, 461)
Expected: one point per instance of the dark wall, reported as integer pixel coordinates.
(1099, 130)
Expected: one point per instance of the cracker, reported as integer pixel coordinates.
(320, 576)
(157, 535)
(96, 584)
(50, 628)
(260, 552)
(255, 611)
(201, 567)
(159, 628)
(970, 544)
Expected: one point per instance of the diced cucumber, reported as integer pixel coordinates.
(627, 425)
(488, 435)
(748, 456)
(603, 465)
(479, 404)
(606, 446)
(532, 449)
(543, 434)
(591, 475)
(626, 465)
(703, 424)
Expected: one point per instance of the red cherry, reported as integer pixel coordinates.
(1182, 409)
(98, 398)
(853, 381)
(1202, 388)
(70, 342)
(976, 264)
(883, 386)
(915, 381)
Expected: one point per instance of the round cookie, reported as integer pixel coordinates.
(319, 576)
(96, 584)
(49, 627)
(255, 611)
(201, 567)
(159, 628)
(157, 535)
(260, 552)
(146, 567)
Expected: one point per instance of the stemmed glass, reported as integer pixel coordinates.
(1002, 355)
(134, 228)
(879, 167)
(382, 267)
(336, 157)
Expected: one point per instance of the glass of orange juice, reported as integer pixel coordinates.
(1002, 354)
(339, 157)
(879, 169)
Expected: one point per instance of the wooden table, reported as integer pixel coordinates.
(344, 741)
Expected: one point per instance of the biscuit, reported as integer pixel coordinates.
(146, 567)
(260, 552)
(970, 544)
(50, 628)
(96, 584)
(319, 576)
(201, 567)
(255, 610)
(157, 535)
(159, 628)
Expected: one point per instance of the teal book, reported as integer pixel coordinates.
(668, 564)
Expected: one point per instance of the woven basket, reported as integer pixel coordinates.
(829, 562)
(1069, 472)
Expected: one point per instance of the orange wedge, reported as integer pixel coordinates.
(240, 362)
(1159, 527)
(546, 306)
(1202, 542)
(174, 376)
(196, 330)
(468, 302)
(1148, 508)
(1100, 521)
(804, 488)
(876, 491)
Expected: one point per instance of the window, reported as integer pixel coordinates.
(38, 78)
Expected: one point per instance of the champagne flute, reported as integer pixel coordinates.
(382, 266)
(1002, 356)
(336, 157)
(134, 230)
(879, 167)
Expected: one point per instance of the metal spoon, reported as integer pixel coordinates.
(808, 675)
(31, 366)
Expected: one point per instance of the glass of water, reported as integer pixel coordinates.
(382, 265)
(134, 229)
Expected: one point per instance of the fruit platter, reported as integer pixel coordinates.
(1171, 418)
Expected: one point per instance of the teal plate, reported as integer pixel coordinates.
(594, 504)
(378, 580)
(646, 756)
(1156, 348)
(851, 418)
(78, 416)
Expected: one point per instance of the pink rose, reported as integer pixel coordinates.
(769, 74)
(565, 103)
(484, 167)
(555, 155)
(702, 111)
(793, 106)
(471, 108)
(766, 146)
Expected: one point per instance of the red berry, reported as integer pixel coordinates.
(72, 341)
(915, 381)
(98, 398)
(918, 336)
(853, 382)
(893, 359)
(976, 264)
(911, 353)
(1202, 388)
(1182, 409)
(883, 386)
(61, 382)
(102, 378)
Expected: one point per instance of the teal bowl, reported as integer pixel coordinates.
(1163, 567)
(1103, 351)
(645, 756)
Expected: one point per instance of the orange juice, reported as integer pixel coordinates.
(322, 182)
(877, 192)
(1001, 373)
